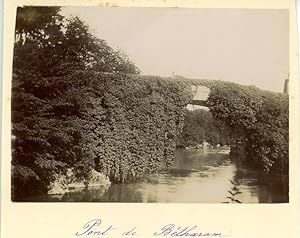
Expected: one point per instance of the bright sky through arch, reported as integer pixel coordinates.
(246, 46)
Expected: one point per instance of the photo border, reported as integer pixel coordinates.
(233, 220)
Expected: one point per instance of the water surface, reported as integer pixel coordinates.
(197, 176)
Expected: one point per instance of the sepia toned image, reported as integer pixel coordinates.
(150, 105)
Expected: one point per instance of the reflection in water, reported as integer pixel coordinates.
(197, 176)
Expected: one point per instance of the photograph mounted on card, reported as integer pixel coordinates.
(150, 119)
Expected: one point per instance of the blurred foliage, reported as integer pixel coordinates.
(200, 126)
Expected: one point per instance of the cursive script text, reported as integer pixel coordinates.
(173, 231)
(89, 229)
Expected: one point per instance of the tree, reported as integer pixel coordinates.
(49, 44)
(31, 22)
(258, 121)
(200, 126)
(47, 116)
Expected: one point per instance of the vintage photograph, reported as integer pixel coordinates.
(150, 105)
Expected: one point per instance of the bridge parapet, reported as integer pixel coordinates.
(200, 95)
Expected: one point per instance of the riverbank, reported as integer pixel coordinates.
(196, 176)
(66, 183)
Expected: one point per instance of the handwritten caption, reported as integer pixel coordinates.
(95, 228)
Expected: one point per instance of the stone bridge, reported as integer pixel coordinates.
(200, 95)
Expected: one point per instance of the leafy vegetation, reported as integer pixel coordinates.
(68, 113)
(259, 121)
(200, 126)
(46, 117)
(131, 122)
(121, 125)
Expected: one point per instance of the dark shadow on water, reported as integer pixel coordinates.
(267, 189)
(121, 193)
(194, 172)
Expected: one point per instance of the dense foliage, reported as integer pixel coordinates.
(200, 126)
(131, 122)
(45, 114)
(48, 44)
(121, 125)
(259, 121)
(68, 114)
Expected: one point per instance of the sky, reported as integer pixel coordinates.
(246, 46)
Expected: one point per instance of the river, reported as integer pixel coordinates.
(197, 176)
